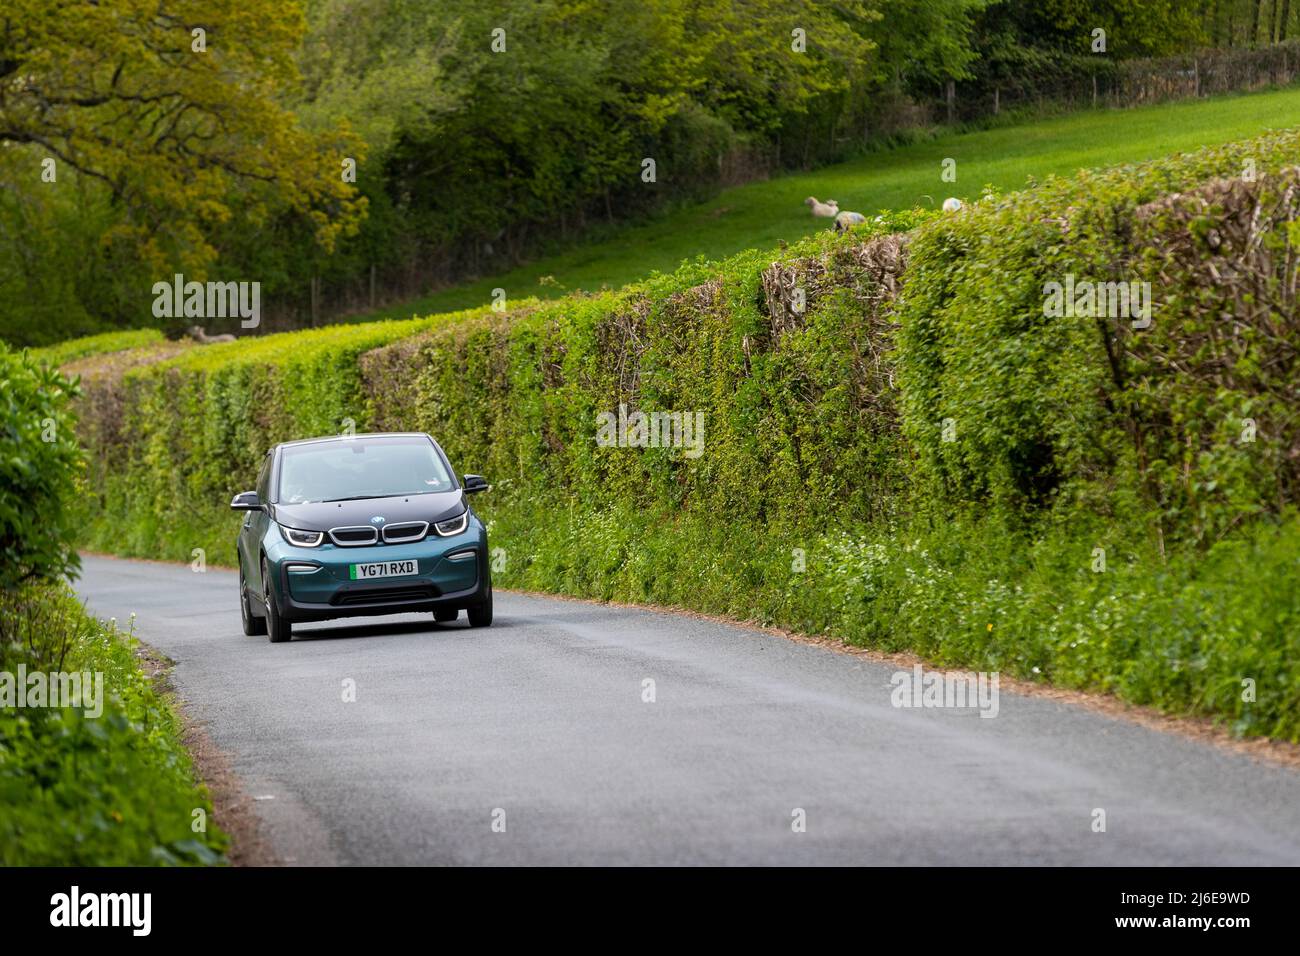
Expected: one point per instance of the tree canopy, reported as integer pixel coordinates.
(143, 137)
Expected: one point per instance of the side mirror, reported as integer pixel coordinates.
(246, 501)
(472, 484)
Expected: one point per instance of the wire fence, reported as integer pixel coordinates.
(1029, 79)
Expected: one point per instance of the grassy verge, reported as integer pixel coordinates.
(80, 789)
(1207, 634)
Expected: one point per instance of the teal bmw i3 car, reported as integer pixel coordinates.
(359, 525)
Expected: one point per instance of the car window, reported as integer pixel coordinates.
(361, 468)
(264, 480)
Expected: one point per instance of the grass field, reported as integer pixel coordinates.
(760, 215)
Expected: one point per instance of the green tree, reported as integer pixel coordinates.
(1133, 27)
(170, 105)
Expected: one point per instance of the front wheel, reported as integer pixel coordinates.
(480, 615)
(254, 626)
(277, 628)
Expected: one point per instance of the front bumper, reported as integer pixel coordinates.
(450, 573)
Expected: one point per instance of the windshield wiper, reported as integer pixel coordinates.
(354, 498)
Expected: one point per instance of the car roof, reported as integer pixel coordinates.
(361, 437)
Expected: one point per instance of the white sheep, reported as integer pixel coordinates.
(827, 210)
(199, 335)
(847, 220)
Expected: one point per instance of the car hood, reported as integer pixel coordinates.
(323, 515)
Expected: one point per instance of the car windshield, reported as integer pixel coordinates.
(364, 468)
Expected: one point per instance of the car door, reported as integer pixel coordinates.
(252, 530)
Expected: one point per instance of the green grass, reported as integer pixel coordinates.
(761, 215)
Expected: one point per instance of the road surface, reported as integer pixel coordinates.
(540, 724)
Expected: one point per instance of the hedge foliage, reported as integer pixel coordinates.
(76, 788)
(39, 458)
(901, 448)
(74, 349)
(1053, 410)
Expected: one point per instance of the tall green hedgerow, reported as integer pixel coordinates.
(1044, 410)
(176, 438)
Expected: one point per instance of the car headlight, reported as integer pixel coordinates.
(302, 539)
(452, 525)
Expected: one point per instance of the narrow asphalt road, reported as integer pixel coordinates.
(540, 722)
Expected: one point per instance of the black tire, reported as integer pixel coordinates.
(277, 628)
(446, 615)
(480, 615)
(254, 626)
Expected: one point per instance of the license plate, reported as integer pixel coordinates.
(382, 569)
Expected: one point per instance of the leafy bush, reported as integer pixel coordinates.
(39, 458)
